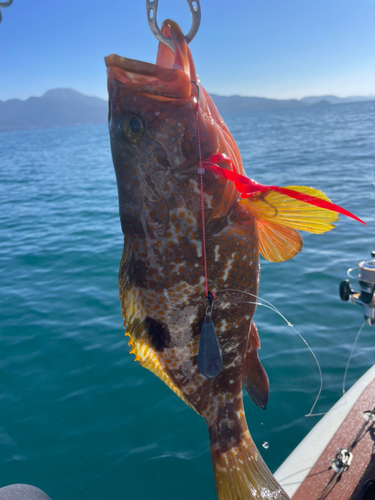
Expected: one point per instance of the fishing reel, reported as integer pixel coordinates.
(365, 274)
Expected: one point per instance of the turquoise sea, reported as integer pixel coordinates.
(78, 417)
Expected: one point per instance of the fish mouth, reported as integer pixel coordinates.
(169, 78)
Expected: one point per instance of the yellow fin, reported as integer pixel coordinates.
(241, 474)
(278, 243)
(145, 354)
(133, 313)
(285, 211)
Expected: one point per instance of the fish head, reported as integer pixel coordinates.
(157, 138)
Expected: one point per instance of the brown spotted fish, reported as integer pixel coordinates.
(158, 135)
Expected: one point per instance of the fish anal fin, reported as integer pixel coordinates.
(146, 355)
(254, 376)
(278, 243)
(133, 312)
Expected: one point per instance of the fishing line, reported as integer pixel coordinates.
(281, 481)
(350, 357)
(270, 306)
(201, 171)
(210, 358)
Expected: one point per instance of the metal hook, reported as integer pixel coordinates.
(195, 83)
(152, 8)
(5, 4)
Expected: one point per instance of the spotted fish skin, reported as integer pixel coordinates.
(162, 270)
(161, 278)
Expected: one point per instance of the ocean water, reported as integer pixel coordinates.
(78, 417)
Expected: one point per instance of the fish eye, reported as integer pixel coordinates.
(131, 128)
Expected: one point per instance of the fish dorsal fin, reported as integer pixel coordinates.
(279, 216)
(254, 377)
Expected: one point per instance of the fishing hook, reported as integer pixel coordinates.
(5, 4)
(152, 9)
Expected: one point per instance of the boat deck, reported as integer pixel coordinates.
(307, 474)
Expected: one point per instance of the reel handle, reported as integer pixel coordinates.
(345, 291)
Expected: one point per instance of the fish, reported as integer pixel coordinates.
(194, 226)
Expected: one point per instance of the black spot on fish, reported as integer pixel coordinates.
(158, 333)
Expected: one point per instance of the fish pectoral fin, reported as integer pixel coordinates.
(278, 243)
(283, 210)
(254, 376)
(279, 216)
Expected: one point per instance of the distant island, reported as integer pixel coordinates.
(56, 108)
(67, 107)
(240, 104)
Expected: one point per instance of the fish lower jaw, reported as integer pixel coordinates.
(148, 79)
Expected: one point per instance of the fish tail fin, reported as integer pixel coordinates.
(241, 473)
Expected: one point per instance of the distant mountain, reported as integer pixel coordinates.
(56, 108)
(66, 107)
(321, 103)
(336, 100)
(240, 104)
(74, 96)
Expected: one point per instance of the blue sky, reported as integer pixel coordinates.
(267, 48)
